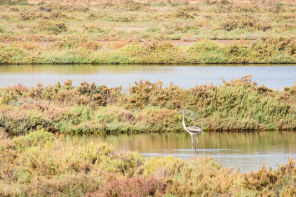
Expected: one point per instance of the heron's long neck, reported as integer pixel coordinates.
(184, 121)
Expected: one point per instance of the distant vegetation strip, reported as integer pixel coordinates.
(133, 33)
(238, 105)
(41, 164)
(75, 51)
(153, 20)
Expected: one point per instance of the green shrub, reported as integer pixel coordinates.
(204, 46)
(33, 139)
(14, 2)
(45, 25)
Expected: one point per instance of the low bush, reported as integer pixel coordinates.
(45, 25)
(246, 22)
(14, 2)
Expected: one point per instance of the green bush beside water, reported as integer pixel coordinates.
(238, 105)
(48, 165)
(270, 50)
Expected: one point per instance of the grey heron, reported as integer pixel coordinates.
(193, 130)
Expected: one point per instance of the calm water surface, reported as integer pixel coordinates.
(275, 76)
(246, 150)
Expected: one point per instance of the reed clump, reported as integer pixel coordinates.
(238, 105)
(41, 164)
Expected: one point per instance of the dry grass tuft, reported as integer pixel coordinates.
(117, 44)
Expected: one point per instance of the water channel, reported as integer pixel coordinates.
(187, 76)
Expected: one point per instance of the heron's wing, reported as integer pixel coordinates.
(194, 129)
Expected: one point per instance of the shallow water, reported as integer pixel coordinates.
(241, 150)
(272, 76)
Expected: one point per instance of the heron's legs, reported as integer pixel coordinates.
(196, 141)
(192, 140)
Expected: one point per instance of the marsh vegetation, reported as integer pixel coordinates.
(143, 33)
(36, 159)
(40, 164)
(238, 105)
(110, 22)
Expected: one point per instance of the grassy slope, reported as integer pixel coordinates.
(147, 107)
(39, 164)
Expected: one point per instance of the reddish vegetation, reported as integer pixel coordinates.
(135, 186)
